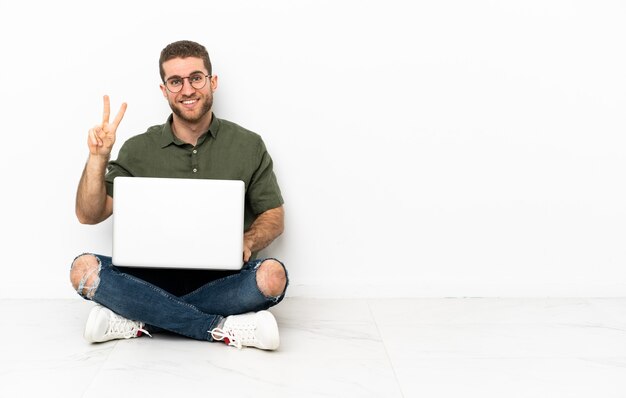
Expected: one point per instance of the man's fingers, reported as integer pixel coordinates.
(246, 254)
(100, 134)
(95, 138)
(107, 110)
(120, 116)
(92, 137)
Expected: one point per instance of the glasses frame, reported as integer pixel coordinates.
(206, 75)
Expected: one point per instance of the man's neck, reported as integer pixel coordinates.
(190, 132)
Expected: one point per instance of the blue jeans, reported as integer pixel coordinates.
(194, 314)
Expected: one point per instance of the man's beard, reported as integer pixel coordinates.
(206, 107)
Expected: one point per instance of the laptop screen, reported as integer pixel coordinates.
(178, 223)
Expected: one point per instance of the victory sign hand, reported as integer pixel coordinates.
(102, 137)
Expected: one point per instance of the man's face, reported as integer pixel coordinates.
(190, 104)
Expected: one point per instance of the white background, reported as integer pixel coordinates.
(430, 148)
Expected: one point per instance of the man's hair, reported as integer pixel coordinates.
(184, 49)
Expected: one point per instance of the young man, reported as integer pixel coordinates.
(193, 143)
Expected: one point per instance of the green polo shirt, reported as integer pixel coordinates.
(226, 152)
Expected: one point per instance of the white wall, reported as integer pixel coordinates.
(439, 148)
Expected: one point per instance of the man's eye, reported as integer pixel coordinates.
(175, 82)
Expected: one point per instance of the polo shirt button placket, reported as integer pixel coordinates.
(194, 160)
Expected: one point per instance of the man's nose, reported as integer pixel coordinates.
(187, 87)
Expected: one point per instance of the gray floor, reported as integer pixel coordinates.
(334, 348)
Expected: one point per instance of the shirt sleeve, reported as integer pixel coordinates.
(263, 191)
(117, 168)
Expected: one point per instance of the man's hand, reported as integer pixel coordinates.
(102, 137)
(247, 253)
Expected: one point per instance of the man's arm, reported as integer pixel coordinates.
(93, 205)
(267, 227)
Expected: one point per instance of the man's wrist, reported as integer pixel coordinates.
(97, 163)
(99, 158)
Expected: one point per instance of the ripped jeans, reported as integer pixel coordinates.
(192, 315)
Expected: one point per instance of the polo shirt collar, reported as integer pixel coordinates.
(168, 137)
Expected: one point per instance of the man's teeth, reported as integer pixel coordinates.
(189, 102)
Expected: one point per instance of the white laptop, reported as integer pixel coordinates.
(178, 223)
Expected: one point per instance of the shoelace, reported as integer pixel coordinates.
(226, 335)
(120, 326)
(236, 336)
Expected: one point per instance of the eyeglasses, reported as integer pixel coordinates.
(197, 81)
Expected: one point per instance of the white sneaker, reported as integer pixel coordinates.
(104, 325)
(254, 329)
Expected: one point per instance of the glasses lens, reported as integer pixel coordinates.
(197, 80)
(174, 84)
